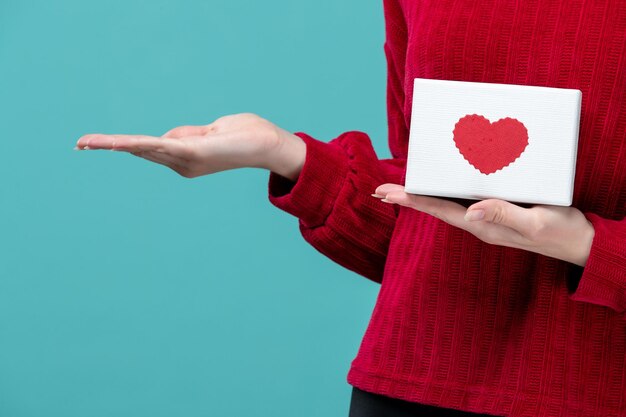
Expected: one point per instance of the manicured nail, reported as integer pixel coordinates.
(378, 196)
(474, 215)
(384, 200)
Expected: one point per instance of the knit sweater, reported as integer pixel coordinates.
(460, 323)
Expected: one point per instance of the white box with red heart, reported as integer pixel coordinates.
(483, 140)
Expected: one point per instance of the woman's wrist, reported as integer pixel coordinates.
(288, 156)
(582, 248)
(573, 247)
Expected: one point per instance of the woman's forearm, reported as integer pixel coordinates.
(288, 157)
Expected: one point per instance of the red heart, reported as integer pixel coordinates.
(490, 146)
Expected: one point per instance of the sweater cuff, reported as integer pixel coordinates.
(603, 279)
(312, 196)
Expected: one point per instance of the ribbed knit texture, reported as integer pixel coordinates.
(459, 323)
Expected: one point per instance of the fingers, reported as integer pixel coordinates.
(508, 220)
(120, 142)
(448, 211)
(445, 210)
(383, 190)
(492, 210)
(134, 143)
(189, 130)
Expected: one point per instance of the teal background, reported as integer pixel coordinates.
(127, 290)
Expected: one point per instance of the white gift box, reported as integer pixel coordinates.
(481, 140)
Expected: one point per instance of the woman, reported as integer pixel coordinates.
(493, 309)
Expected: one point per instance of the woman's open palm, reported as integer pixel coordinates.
(234, 141)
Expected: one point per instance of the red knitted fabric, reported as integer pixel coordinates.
(459, 323)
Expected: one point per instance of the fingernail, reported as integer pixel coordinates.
(86, 147)
(378, 195)
(474, 215)
(384, 200)
(76, 148)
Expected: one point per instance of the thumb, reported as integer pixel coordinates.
(188, 130)
(500, 212)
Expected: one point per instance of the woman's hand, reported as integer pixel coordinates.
(234, 141)
(559, 232)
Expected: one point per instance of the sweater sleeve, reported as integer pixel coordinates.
(331, 198)
(603, 279)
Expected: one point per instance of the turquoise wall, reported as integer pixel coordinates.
(127, 290)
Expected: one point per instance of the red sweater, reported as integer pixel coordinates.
(460, 323)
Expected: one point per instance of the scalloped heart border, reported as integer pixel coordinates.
(490, 147)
